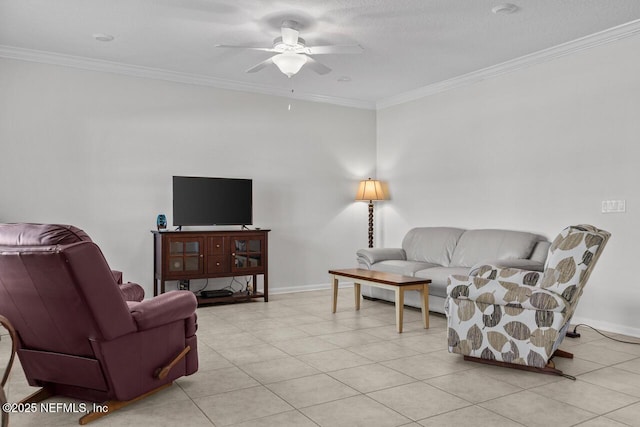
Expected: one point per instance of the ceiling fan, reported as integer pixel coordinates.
(292, 52)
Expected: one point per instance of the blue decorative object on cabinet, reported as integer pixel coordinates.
(162, 221)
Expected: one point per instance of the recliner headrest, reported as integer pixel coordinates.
(24, 234)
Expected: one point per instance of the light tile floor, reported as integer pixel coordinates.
(291, 362)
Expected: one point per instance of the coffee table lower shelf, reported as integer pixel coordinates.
(378, 279)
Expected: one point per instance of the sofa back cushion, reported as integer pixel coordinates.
(434, 245)
(476, 246)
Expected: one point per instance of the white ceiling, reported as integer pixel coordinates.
(409, 45)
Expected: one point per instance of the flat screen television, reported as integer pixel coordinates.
(212, 201)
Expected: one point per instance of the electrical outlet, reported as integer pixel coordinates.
(614, 206)
(183, 285)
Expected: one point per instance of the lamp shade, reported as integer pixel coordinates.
(370, 189)
(289, 62)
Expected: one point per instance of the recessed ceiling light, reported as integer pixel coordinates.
(505, 9)
(101, 37)
(343, 79)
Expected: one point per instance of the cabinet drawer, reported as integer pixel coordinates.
(216, 264)
(216, 245)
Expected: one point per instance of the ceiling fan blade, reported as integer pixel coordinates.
(264, 49)
(289, 36)
(260, 66)
(323, 50)
(317, 66)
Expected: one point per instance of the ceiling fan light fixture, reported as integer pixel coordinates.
(289, 63)
(280, 46)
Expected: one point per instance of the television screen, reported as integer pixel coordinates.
(212, 201)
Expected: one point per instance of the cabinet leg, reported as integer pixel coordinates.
(266, 286)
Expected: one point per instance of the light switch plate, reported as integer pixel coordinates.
(614, 206)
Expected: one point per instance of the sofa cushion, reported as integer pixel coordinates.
(439, 277)
(406, 268)
(434, 245)
(477, 245)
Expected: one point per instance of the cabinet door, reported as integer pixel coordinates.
(247, 254)
(185, 256)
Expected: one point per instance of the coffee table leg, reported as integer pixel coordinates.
(356, 292)
(399, 308)
(425, 306)
(334, 294)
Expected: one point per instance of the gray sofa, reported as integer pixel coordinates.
(436, 253)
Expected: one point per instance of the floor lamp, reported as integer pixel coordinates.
(370, 190)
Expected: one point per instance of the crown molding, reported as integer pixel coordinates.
(593, 40)
(606, 36)
(31, 55)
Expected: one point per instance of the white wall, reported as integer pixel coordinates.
(535, 150)
(98, 151)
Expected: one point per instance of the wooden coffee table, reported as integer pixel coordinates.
(378, 279)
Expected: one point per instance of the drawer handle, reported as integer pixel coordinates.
(217, 263)
(217, 246)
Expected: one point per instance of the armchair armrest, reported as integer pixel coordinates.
(512, 274)
(372, 255)
(163, 309)
(117, 276)
(505, 293)
(132, 291)
(520, 264)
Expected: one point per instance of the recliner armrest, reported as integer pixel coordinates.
(117, 276)
(372, 255)
(505, 293)
(132, 291)
(163, 309)
(511, 274)
(516, 263)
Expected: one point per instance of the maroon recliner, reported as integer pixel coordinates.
(78, 336)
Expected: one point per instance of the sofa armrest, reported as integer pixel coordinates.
(372, 255)
(505, 293)
(132, 291)
(163, 309)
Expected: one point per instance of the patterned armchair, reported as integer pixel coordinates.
(518, 318)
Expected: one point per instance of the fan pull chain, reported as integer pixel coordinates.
(289, 107)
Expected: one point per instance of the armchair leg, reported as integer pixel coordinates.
(113, 405)
(38, 396)
(562, 353)
(550, 369)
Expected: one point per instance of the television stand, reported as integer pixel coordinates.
(186, 255)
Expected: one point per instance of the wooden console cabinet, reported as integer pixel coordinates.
(182, 255)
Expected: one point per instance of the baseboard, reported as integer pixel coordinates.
(307, 288)
(607, 326)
